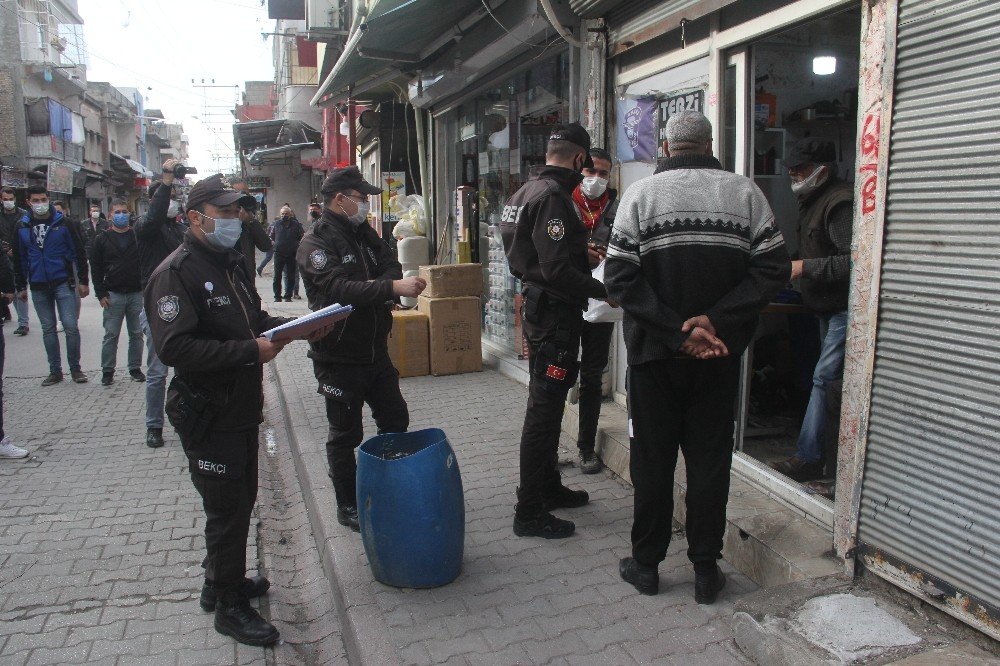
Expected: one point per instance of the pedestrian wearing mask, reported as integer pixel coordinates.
(114, 263)
(10, 216)
(287, 232)
(94, 225)
(596, 204)
(254, 235)
(694, 257)
(546, 246)
(157, 234)
(48, 256)
(826, 215)
(206, 319)
(315, 212)
(344, 261)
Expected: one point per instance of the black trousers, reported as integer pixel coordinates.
(595, 343)
(224, 471)
(552, 329)
(3, 355)
(347, 387)
(284, 264)
(681, 404)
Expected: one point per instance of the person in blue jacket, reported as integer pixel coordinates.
(49, 257)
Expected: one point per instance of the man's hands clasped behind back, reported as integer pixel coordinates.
(702, 342)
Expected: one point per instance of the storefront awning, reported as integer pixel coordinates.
(398, 36)
(262, 156)
(631, 23)
(275, 133)
(124, 164)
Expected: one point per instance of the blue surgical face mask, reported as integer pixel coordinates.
(120, 220)
(227, 232)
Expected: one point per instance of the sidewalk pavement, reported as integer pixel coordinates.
(517, 600)
(101, 537)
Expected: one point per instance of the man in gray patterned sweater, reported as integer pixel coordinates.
(694, 257)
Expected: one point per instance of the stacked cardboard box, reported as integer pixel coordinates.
(451, 302)
(409, 346)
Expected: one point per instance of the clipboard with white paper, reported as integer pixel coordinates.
(307, 324)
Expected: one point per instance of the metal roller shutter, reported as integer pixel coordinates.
(931, 488)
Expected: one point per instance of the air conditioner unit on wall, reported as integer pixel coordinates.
(325, 18)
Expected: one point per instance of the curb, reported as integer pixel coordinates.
(363, 626)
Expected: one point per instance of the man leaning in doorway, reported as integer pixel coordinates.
(826, 213)
(597, 204)
(694, 257)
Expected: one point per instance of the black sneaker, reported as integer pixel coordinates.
(137, 375)
(78, 376)
(644, 578)
(590, 463)
(288, 300)
(799, 470)
(107, 378)
(348, 517)
(252, 588)
(154, 437)
(234, 616)
(53, 378)
(708, 585)
(546, 526)
(564, 498)
(21, 330)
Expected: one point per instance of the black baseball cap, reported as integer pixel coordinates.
(218, 191)
(347, 178)
(811, 151)
(575, 134)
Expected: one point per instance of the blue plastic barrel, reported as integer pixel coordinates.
(411, 508)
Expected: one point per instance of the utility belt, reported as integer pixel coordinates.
(191, 411)
(554, 361)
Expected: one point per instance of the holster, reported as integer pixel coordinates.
(557, 366)
(191, 411)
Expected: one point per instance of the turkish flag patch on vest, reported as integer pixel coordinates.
(555, 372)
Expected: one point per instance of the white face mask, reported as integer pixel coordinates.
(174, 209)
(8, 205)
(227, 232)
(810, 184)
(95, 215)
(361, 215)
(40, 208)
(593, 187)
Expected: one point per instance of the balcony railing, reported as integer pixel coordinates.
(51, 147)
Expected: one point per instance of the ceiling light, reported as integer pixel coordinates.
(824, 65)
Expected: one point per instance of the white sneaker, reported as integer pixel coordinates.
(8, 450)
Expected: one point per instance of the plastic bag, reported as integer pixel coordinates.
(599, 312)
(410, 210)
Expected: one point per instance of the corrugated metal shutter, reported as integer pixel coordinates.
(930, 489)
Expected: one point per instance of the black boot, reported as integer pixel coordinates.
(252, 588)
(234, 616)
(565, 498)
(708, 584)
(348, 517)
(154, 437)
(545, 525)
(644, 578)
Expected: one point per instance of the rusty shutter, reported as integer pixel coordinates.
(930, 500)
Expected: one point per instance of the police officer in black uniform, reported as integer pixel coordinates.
(546, 246)
(206, 316)
(343, 260)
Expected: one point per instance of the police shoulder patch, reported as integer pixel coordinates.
(318, 259)
(556, 229)
(168, 307)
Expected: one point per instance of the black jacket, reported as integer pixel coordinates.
(287, 234)
(157, 234)
(347, 263)
(205, 315)
(113, 268)
(89, 233)
(9, 222)
(6, 275)
(254, 235)
(545, 241)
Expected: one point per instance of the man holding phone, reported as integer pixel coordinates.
(596, 204)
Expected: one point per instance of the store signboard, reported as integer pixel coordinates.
(60, 178)
(690, 101)
(637, 129)
(13, 178)
(393, 183)
(258, 182)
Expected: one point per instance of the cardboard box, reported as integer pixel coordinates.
(455, 334)
(409, 343)
(452, 280)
